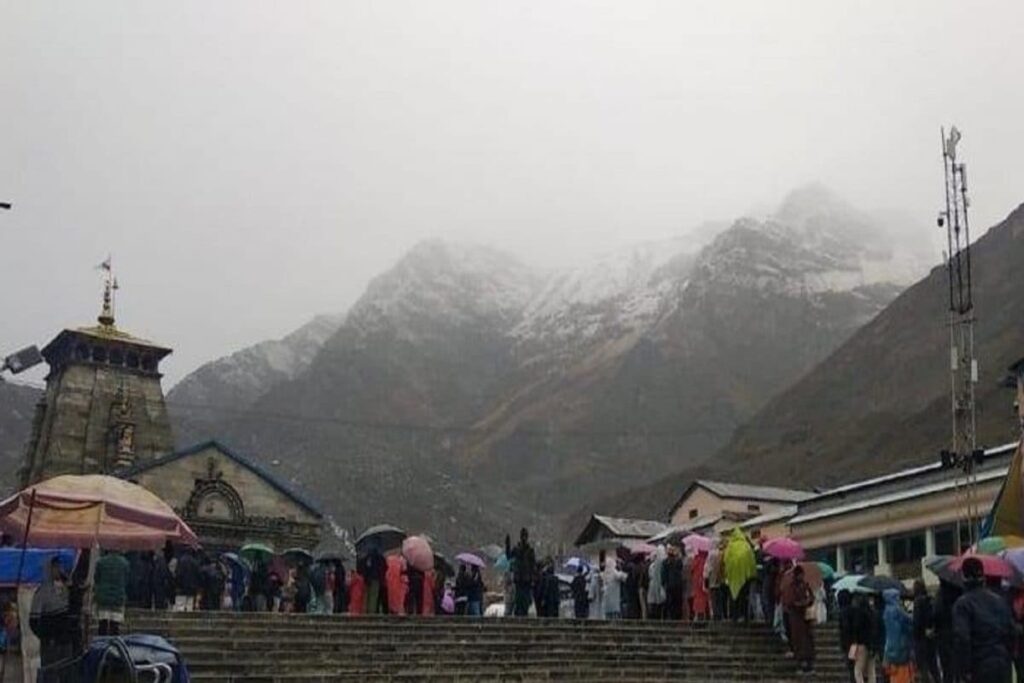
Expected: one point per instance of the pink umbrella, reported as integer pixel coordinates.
(784, 549)
(639, 547)
(470, 559)
(695, 543)
(418, 553)
(82, 510)
(995, 567)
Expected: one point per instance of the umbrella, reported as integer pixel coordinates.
(256, 552)
(639, 547)
(470, 559)
(93, 509)
(812, 575)
(297, 556)
(879, 584)
(695, 543)
(995, 567)
(939, 565)
(827, 572)
(383, 537)
(1015, 558)
(234, 559)
(850, 583)
(784, 549)
(993, 545)
(502, 564)
(442, 564)
(576, 563)
(492, 551)
(417, 552)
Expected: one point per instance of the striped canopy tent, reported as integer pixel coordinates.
(81, 511)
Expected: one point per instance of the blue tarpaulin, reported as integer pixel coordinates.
(35, 561)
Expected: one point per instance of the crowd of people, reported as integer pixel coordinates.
(965, 633)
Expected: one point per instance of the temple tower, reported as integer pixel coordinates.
(103, 409)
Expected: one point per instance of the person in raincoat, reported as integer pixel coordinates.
(524, 570)
(356, 593)
(739, 567)
(395, 581)
(899, 629)
(699, 600)
(655, 587)
(612, 579)
(595, 590)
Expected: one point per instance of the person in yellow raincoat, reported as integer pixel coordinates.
(739, 567)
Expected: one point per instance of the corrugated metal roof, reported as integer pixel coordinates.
(769, 493)
(905, 480)
(631, 528)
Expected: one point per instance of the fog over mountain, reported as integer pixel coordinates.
(250, 164)
(464, 376)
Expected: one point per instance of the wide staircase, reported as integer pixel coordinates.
(265, 648)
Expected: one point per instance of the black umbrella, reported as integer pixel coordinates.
(879, 584)
(442, 564)
(298, 556)
(383, 537)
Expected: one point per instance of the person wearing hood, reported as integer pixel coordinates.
(612, 580)
(983, 630)
(699, 605)
(924, 635)
(655, 586)
(595, 589)
(899, 628)
(739, 567)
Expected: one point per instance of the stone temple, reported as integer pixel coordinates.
(103, 412)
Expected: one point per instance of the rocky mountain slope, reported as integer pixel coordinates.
(17, 406)
(881, 400)
(221, 388)
(466, 392)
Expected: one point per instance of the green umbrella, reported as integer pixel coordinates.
(259, 552)
(827, 572)
(992, 545)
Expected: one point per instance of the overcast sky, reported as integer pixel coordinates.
(249, 164)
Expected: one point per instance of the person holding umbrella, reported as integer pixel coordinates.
(580, 594)
(475, 595)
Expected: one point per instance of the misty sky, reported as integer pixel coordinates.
(250, 164)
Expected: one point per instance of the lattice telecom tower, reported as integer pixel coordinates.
(963, 365)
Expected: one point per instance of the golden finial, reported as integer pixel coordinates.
(106, 317)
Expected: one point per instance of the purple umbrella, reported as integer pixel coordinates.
(470, 559)
(1016, 559)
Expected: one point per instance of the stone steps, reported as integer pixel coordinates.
(266, 648)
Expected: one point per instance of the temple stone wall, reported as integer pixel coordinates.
(228, 503)
(75, 435)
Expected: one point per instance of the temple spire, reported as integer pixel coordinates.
(106, 316)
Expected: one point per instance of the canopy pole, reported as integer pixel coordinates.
(17, 580)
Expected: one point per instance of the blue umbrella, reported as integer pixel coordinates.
(577, 562)
(502, 563)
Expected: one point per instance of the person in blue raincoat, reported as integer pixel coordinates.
(899, 639)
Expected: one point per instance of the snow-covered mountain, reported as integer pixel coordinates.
(468, 391)
(219, 390)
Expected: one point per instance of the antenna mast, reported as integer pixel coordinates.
(963, 365)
